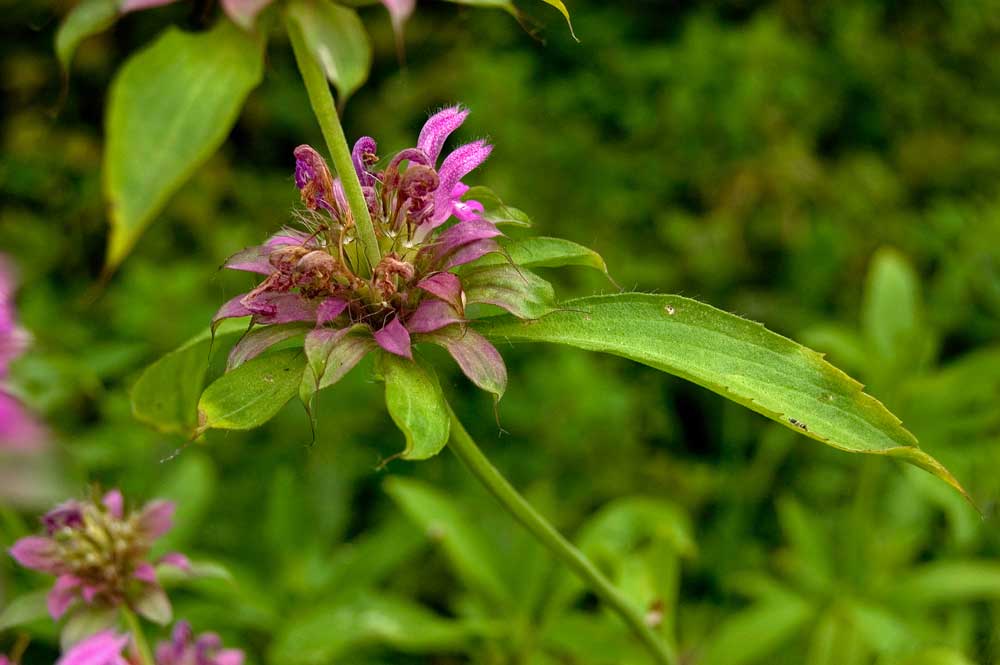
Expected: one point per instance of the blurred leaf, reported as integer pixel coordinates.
(337, 39)
(810, 549)
(542, 252)
(942, 582)
(470, 553)
(884, 633)
(190, 481)
(320, 635)
(414, 399)
(167, 392)
(593, 639)
(561, 6)
(84, 621)
(282, 526)
(494, 209)
(87, 18)
(752, 634)
(253, 393)
(24, 609)
(171, 106)
(172, 576)
(890, 315)
(938, 656)
(372, 556)
(736, 358)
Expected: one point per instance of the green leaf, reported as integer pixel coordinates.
(167, 392)
(494, 209)
(24, 609)
(891, 316)
(84, 621)
(87, 18)
(949, 582)
(253, 393)
(558, 4)
(737, 358)
(416, 404)
(189, 481)
(750, 635)
(337, 39)
(936, 656)
(521, 292)
(542, 252)
(468, 550)
(321, 635)
(170, 107)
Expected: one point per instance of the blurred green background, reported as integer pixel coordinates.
(831, 169)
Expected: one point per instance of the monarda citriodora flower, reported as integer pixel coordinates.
(428, 236)
(19, 430)
(110, 648)
(99, 553)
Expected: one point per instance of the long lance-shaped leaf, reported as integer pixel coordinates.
(737, 358)
(253, 393)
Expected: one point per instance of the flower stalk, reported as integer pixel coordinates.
(473, 458)
(325, 110)
(138, 637)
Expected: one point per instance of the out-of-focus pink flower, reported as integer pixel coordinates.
(19, 430)
(98, 552)
(185, 649)
(242, 12)
(103, 648)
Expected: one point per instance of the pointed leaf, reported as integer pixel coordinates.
(170, 107)
(87, 18)
(739, 359)
(416, 404)
(167, 392)
(478, 359)
(253, 393)
(24, 609)
(750, 635)
(542, 252)
(259, 340)
(337, 39)
(521, 292)
(561, 6)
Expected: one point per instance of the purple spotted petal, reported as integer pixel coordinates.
(437, 129)
(478, 359)
(234, 308)
(244, 12)
(259, 340)
(115, 503)
(394, 338)
(135, 5)
(177, 560)
(38, 553)
(471, 252)
(432, 314)
(156, 518)
(446, 286)
(19, 430)
(363, 146)
(145, 573)
(330, 309)
(103, 648)
(456, 166)
(62, 595)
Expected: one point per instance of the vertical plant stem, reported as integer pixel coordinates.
(469, 453)
(323, 107)
(138, 637)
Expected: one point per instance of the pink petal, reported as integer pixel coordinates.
(115, 503)
(446, 286)
(62, 595)
(399, 11)
(135, 5)
(19, 430)
(232, 309)
(270, 308)
(145, 573)
(177, 560)
(229, 657)
(330, 309)
(394, 338)
(462, 234)
(252, 259)
(432, 314)
(103, 648)
(90, 593)
(478, 359)
(471, 252)
(455, 167)
(37, 553)
(244, 12)
(438, 127)
(157, 518)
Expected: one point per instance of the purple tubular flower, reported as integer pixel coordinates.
(185, 649)
(456, 166)
(438, 128)
(99, 552)
(364, 155)
(103, 648)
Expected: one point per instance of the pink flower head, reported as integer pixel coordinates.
(242, 12)
(19, 430)
(103, 648)
(185, 649)
(98, 552)
(415, 294)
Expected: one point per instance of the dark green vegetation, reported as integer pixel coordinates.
(830, 170)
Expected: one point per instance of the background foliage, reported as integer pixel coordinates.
(828, 168)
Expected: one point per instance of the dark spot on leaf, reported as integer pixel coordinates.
(798, 423)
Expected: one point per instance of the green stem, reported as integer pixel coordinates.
(474, 459)
(138, 637)
(329, 122)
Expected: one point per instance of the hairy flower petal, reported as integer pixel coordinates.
(456, 166)
(156, 518)
(103, 648)
(38, 553)
(438, 128)
(394, 338)
(363, 147)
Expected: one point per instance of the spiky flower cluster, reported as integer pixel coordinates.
(99, 554)
(426, 232)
